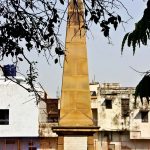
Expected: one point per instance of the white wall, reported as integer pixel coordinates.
(23, 111)
(94, 87)
(139, 129)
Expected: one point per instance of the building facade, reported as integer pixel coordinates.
(123, 126)
(24, 125)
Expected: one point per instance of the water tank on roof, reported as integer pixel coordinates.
(9, 70)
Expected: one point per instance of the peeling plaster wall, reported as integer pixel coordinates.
(119, 132)
(45, 130)
(42, 112)
(139, 129)
(111, 119)
(94, 87)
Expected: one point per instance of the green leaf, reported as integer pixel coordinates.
(119, 18)
(20, 58)
(86, 12)
(123, 41)
(144, 39)
(12, 54)
(130, 39)
(115, 24)
(138, 41)
(106, 32)
(148, 34)
(62, 2)
(56, 61)
(93, 3)
(96, 20)
(134, 46)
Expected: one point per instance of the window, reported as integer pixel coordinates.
(93, 93)
(52, 110)
(4, 116)
(52, 118)
(125, 107)
(108, 104)
(32, 148)
(144, 116)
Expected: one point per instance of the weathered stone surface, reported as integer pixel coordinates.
(75, 107)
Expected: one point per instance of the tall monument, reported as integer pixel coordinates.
(76, 125)
(75, 101)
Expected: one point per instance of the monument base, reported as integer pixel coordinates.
(75, 138)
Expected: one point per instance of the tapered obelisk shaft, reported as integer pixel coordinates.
(75, 105)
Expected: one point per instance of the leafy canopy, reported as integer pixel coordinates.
(27, 25)
(141, 33)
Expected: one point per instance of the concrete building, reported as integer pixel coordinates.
(122, 125)
(22, 122)
(24, 125)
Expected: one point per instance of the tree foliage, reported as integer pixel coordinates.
(142, 89)
(27, 25)
(141, 33)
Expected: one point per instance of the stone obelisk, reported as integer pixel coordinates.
(75, 106)
(75, 101)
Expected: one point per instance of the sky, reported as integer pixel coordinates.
(105, 62)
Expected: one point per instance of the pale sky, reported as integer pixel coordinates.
(105, 61)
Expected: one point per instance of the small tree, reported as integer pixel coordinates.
(140, 35)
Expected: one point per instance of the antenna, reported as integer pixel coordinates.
(94, 78)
